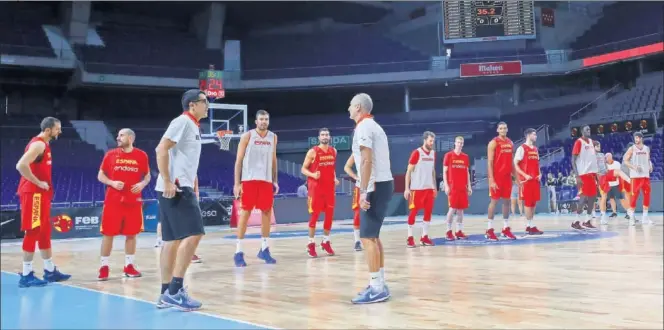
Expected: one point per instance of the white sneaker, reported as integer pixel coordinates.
(159, 243)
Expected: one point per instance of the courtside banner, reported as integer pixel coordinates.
(10, 224)
(216, 212)
(490, 69)
(150, 214)
(76, 222)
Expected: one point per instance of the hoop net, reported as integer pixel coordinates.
(224, 139)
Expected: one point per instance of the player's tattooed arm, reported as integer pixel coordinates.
(308, 159)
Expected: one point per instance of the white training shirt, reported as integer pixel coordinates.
(183, 158)
(587, 161)
(258, 157)
(369, 134)
(613, 166)
(421, 178)
(640, 157)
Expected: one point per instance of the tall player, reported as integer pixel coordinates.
(500, 172)
(126, 172)
(526, 163)
(457, 186)
(35, 190)
(421, 187)
(355, 204)
(319, 168)
(584, 165)
(637, 159)
(255, 175)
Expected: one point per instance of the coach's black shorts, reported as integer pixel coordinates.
(615, 193)
(371, 220)
(180, 216)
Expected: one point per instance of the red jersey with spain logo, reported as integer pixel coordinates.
(127, 167)
(324, 162)
(530, 162)
(457, 170)
(40, 168)
(502, 157)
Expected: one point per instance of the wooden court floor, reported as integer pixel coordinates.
(612, 278)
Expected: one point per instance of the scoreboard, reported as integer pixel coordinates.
(472, 21)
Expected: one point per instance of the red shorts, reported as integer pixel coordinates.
(35, 210)
(421, 199)
(625, 186)
(121, 219)
(355, 204)
(320, 201)
(530, 193)
(604, 180)
(504, 190)
(257, 195)
(458, 199)
(589, 185)
(640, 185)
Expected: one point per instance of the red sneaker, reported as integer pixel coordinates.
(311, 250)
(196, 259)
(577, 225)
(491, 235)
(461, 235)
(507, 232)
(410, 242)
(588, 225)
(533, 231)
(449, 236)
(327, 247)
(426, 241)
(103, 273)
(130, 271)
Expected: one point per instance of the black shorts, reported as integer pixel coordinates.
(371, 220)
(615, 193)
(180, 216)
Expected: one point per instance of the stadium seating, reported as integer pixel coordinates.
(21, 30)
(638, 21)
(526, 56)
(327, 54)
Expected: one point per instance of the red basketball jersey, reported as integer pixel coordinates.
(502, 157)
(41, 169)
(128, 167)
(324, 162)
(457, 170)
(530, 161)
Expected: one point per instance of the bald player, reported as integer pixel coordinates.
(355, 204)
(255, 176)
(501, 172)
(420, 186)
(35, 190)
(125, 171)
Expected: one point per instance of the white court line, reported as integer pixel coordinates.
(152, 303)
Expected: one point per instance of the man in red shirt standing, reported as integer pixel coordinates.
(126, 171)
(526, 163)
(35, 190)
(457, 186)
(500, 172)
(319, 168)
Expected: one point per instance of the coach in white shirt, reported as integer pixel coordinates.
(372, 154)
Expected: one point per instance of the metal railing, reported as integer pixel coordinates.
(577, 114)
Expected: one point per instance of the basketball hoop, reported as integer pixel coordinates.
(224, 139)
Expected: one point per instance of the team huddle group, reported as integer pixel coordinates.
(125, 171)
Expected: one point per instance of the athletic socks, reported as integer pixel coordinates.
(449, 225)
(506, 223)
(459, 226)
(356, 233)
(49, 265)
(326, 239)
(410, 230)
(489, 224)
(129, 260)
(175, 285)
(264, 244)
(312, 239)
(375, 281)
(425, 228)
(530, 223)
(164, 287)
(104, 261)
(645, 214)
(238, 246)
(382, 275)
(27, 267)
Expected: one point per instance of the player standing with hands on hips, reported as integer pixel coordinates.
(372, 155)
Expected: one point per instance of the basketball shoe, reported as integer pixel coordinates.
(30, 280)
(55, 276)
(181, 301)
(371, 295)
(266, 256)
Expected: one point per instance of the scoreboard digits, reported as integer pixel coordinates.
(469, 21)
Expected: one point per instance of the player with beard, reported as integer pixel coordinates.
(35, 190)
(126, 172)
(637, 159)
(421, 187)
(319, 168)
(255, 175)
(355, 204)
(457, 186)
(585, 167)
(526, 163)
(501, 172)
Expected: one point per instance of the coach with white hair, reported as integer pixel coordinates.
(372, 155)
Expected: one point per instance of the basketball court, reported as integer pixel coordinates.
(609, 278)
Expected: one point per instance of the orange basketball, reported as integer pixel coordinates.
(62, 223)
